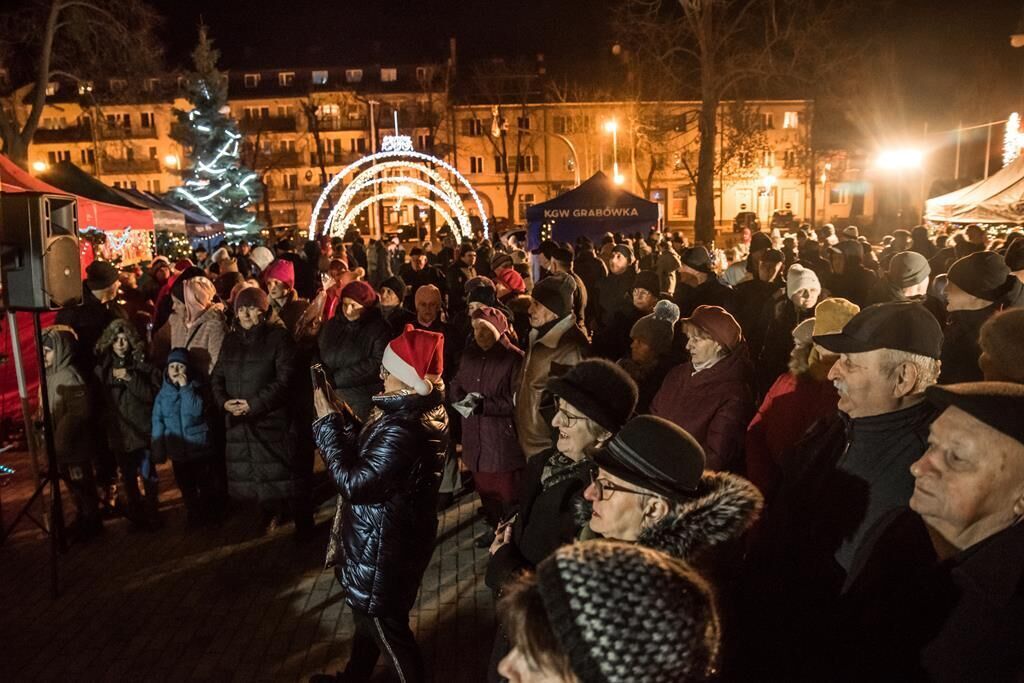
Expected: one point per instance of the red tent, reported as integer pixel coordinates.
(13, 179)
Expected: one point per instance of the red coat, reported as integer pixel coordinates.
(714, 405)
(789, 408)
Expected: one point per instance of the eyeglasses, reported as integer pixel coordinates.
(384, 374)
(604, 488)
(568, 418)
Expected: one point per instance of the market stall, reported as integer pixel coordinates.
(996, 200)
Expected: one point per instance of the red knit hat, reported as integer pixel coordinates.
(281, 270)
(718, 324)
(512, 280)
(413, 355)
(360, 292)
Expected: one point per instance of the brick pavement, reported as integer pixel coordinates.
(219, 604)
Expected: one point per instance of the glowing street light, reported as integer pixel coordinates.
(172, 161)
(900, 159)
(39, 166)
(619, 178)
(612, 126)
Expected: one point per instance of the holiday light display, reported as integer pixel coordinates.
(216, 185)
(396, 152)
(1013, 139)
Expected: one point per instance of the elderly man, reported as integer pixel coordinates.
(698, 286)
(941, 593)
(846, 473)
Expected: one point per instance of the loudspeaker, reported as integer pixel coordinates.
(39, 251)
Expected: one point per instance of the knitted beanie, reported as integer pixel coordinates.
(483, 293)
(908, 268)
(500, 260)
(831, 315)
(1002, 337)
(493, 319)
(478, 281)
(396, 285)
(262, 257)
(252, 296)
(415, 355)
(798, 277)
(555, 294)
(360, 292)
(983, 274)
(625, 250)
(100, 275)
(658, 328)
(648, 279)
(598, 389)
(281, 270)
(511, 280)
(623, 613)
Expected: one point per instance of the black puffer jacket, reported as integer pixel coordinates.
(351, 352)
(258, 365)
(126, 404)
(387, 474)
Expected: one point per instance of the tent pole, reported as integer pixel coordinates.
(988, 148)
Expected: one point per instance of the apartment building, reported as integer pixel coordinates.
(545, 146)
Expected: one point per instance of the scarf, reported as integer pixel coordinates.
(199, 293)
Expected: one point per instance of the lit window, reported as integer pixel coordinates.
(320, 77)
(353, 75)
(51, 88)
(252, 80)
(285, 78)
(767, 121)
(388, 75)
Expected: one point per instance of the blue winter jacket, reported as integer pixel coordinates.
(181, 431)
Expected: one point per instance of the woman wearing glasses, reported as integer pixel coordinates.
(595, 398)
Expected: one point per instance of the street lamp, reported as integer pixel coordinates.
(612, 126)
(901, 160)
(38, 166)
(172, 161)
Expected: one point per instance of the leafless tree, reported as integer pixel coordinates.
(78, 41)
(721, 50)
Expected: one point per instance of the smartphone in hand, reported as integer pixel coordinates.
(319, 377)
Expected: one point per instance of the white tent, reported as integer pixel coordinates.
(996, 199)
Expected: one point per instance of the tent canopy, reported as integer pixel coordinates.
(994, 200)
(597, 206)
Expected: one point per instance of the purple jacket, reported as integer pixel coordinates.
(489, 441)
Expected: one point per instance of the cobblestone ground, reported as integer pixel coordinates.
(218, 604)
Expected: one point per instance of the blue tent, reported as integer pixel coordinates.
(595, 207)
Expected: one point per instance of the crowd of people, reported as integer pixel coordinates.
(798, 459)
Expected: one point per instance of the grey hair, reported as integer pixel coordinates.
(927, 367)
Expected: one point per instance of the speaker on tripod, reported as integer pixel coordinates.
(39, 251)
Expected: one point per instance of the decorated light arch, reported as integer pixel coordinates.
(397, 154)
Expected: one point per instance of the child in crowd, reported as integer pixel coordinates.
(181, 432)
(128, 385)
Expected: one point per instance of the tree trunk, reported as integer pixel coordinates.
(704, 219)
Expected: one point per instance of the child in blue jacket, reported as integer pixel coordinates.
(181, 432)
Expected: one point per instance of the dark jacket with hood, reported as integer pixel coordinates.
(88, 320)
(68, 396)
(258, 365)
(960, 347)
(127, 404)
(710, 293)
(714, 405)
(181, 427)
(352, 350)
(614, 296)
(387, 475)
(855, 283)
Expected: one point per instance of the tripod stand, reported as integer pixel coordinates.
(50, 477)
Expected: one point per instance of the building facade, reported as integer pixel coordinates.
(303, 126)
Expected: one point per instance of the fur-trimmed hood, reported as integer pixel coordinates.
(728, 506)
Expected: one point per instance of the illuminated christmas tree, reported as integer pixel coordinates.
(216, 185)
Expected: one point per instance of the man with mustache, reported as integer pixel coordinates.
(846, 473)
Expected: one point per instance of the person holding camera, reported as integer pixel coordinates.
(387, 472)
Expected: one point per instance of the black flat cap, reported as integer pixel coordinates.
(1000, 405)
(900, 325)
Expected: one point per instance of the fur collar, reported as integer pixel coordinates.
(728, 506)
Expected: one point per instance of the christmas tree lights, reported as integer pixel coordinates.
(1013, 140)
(216, 185)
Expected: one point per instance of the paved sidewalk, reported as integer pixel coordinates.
(219, 604)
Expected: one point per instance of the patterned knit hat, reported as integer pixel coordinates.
(658, 328)
(626, 613)
(413, 356)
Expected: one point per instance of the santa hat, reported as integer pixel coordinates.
(413, 356)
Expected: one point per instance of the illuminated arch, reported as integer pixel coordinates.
(397, 148)
(354, 211)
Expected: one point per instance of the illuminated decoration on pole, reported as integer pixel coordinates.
(397, 154)
(215, 185)
(1013, 139)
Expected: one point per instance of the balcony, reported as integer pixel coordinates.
(338, 123)
(130, 166)
(332, 159)
(267, 124)
(286, 159)
(79, 133)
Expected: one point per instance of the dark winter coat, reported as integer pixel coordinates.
(387, 474)
(457, 276)
(547, 519)
(591, 271)
(290, 310)
(714, 405)
(181, 427)
(648, 379)
(710, 293)
(258, 365)
(752, 298)
(960, 347)
(489, 441)
(397, 318)
(68, 397)
(776, 343)
(614, 296)
(414, 279)
(923, 619)
(307, 280)
(127, 404)
(88, 320)
(854, 284)
(351, 351)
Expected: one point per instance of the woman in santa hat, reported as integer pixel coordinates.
(387, 471)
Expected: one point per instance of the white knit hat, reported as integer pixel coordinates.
(798, 277)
